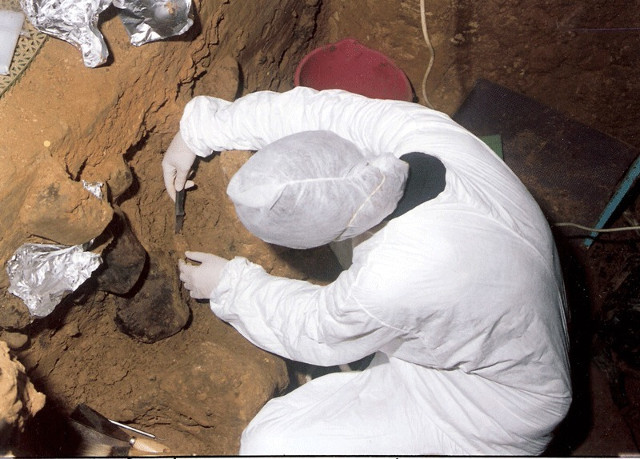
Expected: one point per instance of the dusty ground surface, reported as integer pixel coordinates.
(197, 389)
(581, 60)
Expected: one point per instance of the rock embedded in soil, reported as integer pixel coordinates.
(19, 400)
(160, 308)
(14, 314)
(14, 340)
(217, 390)
(124, 258)
(61, 210)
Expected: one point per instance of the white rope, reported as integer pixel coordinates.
(599, 230)
(432, 54)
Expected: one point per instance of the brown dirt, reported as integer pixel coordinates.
(19, 400)
(197, 389)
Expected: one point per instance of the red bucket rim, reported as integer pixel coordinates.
(382, 78)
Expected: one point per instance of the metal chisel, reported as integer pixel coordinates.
(180, 195)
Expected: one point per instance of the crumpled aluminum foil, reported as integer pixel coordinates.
(151, 20)
(41, 274)
(95, 188)
(76, 21)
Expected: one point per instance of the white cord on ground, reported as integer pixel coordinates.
(427, 40)
(599, 230)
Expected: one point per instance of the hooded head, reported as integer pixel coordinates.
(314, 187)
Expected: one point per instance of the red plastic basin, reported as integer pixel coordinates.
(351, 66)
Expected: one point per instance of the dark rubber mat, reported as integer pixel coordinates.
(571, 169)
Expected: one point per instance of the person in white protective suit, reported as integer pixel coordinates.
(454, 280)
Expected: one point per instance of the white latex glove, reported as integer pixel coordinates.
(201, 279)
(176, 166)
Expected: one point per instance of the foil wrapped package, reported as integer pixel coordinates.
(152, 20)
(42, 274)
(76, 21)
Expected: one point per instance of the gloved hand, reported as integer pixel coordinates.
(176, 166)
(201, 279)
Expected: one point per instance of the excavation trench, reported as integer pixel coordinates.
(129, 342)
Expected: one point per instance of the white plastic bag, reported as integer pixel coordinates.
(10, 27)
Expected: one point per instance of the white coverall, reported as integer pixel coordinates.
(461, 298)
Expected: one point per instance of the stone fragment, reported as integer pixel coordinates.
(124, 258)
(14, 314)
(120, 176)
(222, 79)
(217, 384)
(159, 309)
(19, 400)
(61, 210)
(14, 340)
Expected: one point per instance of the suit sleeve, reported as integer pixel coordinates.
(376, 126)
(321, 325)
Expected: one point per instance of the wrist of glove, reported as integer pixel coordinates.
(202, 279)
(176, 165)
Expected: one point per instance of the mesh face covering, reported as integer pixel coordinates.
(314, 187)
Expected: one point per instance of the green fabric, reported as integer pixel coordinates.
(494, 142)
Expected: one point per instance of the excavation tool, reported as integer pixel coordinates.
(180, 195)
(136, 441)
